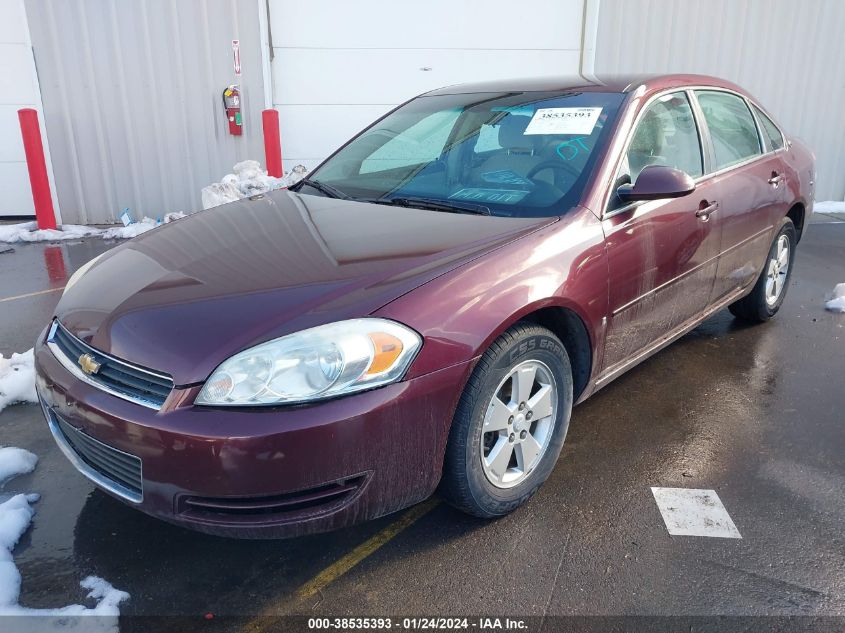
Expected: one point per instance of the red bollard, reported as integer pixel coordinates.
(34, 149)
(272, 143)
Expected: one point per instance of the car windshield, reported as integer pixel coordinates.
(526, 154)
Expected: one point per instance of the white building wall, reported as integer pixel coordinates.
(19, 90)
(790, 54)
(340, 65)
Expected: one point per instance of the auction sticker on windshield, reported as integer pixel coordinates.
(563, 121)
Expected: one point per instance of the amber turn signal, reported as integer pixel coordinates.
(387, 350)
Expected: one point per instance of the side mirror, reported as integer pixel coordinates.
(656, 182)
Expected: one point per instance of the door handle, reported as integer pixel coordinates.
(776, 179)
(705, 211)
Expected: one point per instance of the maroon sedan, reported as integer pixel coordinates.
(426, 308)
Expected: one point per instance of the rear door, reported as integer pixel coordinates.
(662, 254)
(748, 184)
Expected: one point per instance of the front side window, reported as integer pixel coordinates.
(771, 130)
(665, 135)
(731, 127)
(526, 154)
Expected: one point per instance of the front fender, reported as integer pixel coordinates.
(461, 313)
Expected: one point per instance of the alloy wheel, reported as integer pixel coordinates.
(518, 424)
(778, 269)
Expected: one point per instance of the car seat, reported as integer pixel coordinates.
(519, 150)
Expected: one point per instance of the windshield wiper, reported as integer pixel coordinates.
(330, 191)
(435, 205)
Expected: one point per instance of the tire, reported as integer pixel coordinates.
(760, 305)
(469, 469)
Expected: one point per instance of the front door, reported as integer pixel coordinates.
(662, 254)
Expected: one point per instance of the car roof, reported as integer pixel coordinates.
(606, 83)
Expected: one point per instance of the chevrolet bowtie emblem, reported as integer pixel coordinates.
(88, 364)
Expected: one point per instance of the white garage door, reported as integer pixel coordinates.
(338, 66)
(20, 90)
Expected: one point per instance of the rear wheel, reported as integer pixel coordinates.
(510, 423)
(770, 290)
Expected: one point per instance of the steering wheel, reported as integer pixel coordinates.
(552, 164)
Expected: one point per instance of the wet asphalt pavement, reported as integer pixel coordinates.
(756, 413)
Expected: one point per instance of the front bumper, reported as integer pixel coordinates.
(262, 473)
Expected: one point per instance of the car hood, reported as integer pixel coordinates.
(184, 297)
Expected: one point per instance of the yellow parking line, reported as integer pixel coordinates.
(345, 563)
(31, 294)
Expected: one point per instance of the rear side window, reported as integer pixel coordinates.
(731, 126)
(770, 129)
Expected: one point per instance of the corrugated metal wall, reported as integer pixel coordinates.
(132, 100)
(790, 54)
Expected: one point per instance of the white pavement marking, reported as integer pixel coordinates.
(690, 512)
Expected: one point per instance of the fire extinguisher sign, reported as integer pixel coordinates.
(236, 56)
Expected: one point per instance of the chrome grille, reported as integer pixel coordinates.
(114, 470)
(117, 377)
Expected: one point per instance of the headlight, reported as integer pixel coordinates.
(323, 362)
(81, 271)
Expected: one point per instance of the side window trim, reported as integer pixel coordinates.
(703, 134)
(762, 137)
(748, 103)
(701, 125)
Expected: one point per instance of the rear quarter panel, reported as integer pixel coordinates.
(800, 166)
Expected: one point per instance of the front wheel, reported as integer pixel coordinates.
(510, 423)
(770, 290)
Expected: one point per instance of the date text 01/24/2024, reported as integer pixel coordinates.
(417, 624)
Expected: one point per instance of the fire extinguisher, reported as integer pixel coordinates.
(232, 105)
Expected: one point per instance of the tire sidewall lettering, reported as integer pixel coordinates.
(526, 347)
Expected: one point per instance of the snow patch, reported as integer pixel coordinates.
(17, 379)
(837, 301)
(247, 179)
(29, 231)
(137, 228)
(16, 515)
(829, 206)
(15, 461)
